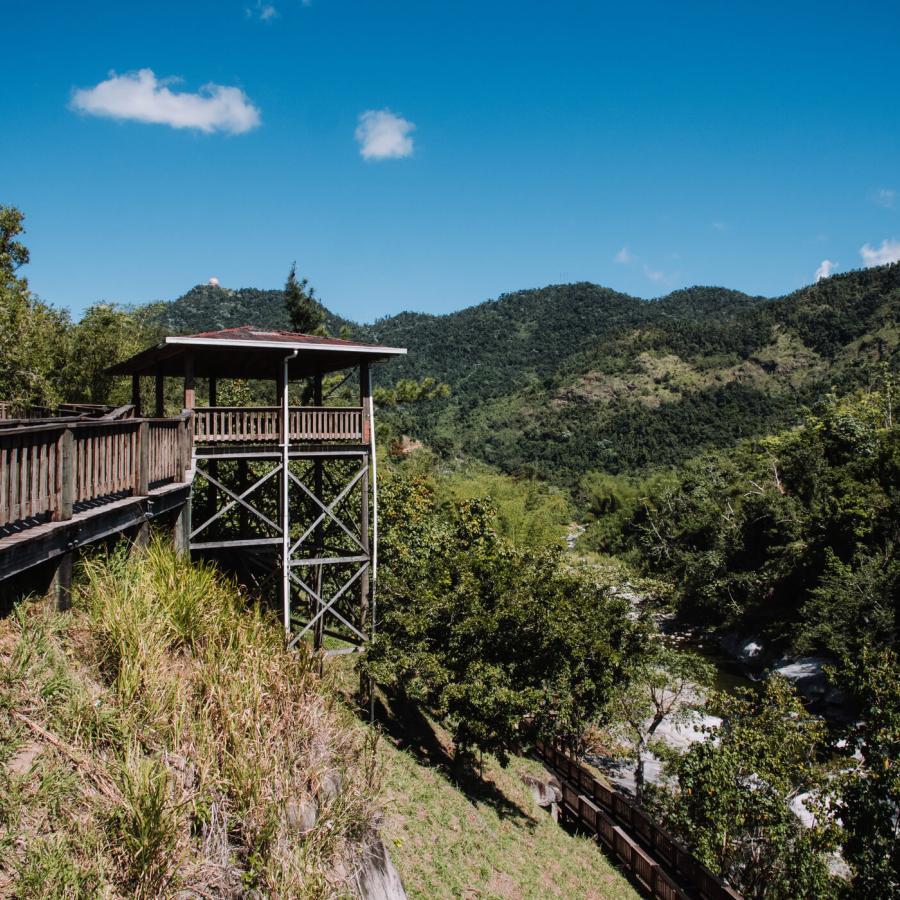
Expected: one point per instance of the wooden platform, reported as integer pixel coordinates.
(38, 544)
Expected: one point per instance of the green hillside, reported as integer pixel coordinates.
(562, 380)
(568, 379)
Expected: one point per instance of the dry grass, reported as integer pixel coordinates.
(157, 740)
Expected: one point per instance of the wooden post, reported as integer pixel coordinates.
(364, 390)
(212, 492)
(319, 633)
(189, 386)
(142, 472)
(182, 535)
(66, 452)
(284, 495)
(160, 396)
(136, 393)
(62, 581)
(365, 684)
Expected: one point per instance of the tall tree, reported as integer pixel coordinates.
(32, 335)
(305, 312)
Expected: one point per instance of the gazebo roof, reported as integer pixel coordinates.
(250, 352)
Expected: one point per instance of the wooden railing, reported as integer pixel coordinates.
(262, 424)
(47, 470)
(626, 830)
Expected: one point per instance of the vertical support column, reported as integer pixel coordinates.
(364, 393)
(212, 492)
(142, 480)
(284, 505)
(183, 522)
(136, 393)
(190, 392)
(319, 632)
(160, 396)
(61, 589)
(182, 535)
(365, 684)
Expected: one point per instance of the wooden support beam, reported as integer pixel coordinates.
(42, 543)
(62, 581)
(66, 455)
(142, 471)
(364, 391)
(190, 391)
(182, 533)
(136, 393)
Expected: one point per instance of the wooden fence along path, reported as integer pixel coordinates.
(50, 471)
(73, 480)
(659, 863)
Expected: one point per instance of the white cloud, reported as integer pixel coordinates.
(214, 281)
(383, 135)
(720, 226)
(826, 267)
(888, 252)
(886, 197)
(265, 12)
(139, 96)
(654, 274)
(624, 257)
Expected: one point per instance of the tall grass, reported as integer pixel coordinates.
(204, 756)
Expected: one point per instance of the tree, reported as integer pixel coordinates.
(868, 801)
(499, 644)
(32, 345)
(733, 801)
(663, 684)
(106, 333)
(305, 312)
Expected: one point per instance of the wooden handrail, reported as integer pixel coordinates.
(47, 470)
(262, 424)
(616, 820)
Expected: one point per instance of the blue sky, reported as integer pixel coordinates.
(429, 156)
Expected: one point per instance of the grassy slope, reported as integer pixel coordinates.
(478, 837)
(158, 738)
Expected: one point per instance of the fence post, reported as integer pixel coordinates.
(66, 451)
(142, 472)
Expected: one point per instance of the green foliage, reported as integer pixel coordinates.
(499, 643)
(528, 513)
(662, 684)
(32, 335)
(569, 379)
(106, 333)
(406, 390)
(793, 536)
(731, 803)
(304, 311)
(869, 793)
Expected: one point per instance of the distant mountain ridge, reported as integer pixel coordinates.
(559, 380)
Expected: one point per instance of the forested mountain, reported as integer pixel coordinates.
(572, 378)
(207, 307)
(565, 379)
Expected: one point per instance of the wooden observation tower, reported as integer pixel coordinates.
(285, 494)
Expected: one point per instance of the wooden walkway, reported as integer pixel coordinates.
(68, 482)
(664, 868)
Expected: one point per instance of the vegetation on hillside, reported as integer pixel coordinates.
(792, 538)
(158, 738)
(500, 644)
